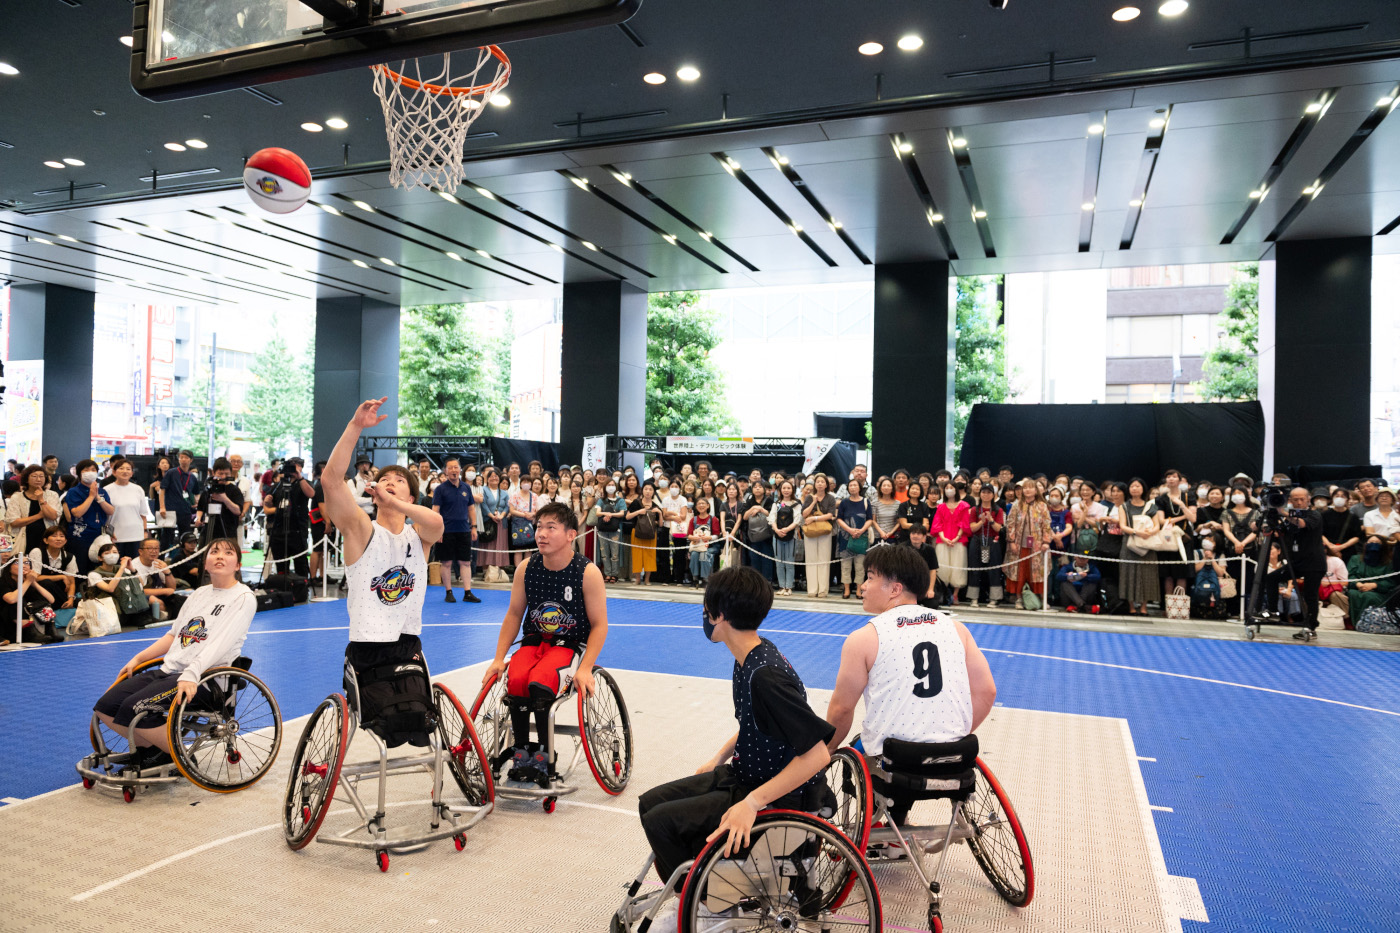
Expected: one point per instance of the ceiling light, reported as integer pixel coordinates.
(1314, 107)
(959, 143)
(386, 261)
(126, 41)
(1386, 101)
(1095, 129)
(906, 148)
(1135, 202)
(361, 263)
(483, 254)
(935, 218)
(471, 103)
(688, 73)
(556, 247)
(499, 100)
(363, 206)
(733, 163)
(1127, 13)
(1087, 206)
(52, 164)
(1310, 189)
(979, 214)
(1157, 123)
(485, 194)
(1256, 194)
(1173, 7)
(452, 255)
(196, 144)
(588, 245)
(311, 127)
(448, 196)
(7, 69)
(328, 209)
(64, 236)
(706, 235)
(669, 238)
(74, 162)
(39, 239)
(336, 123)
(910, 43)
(175, 147)
(655, 77)
(581, 182)
(727, 167)
(836, 225)
(870, 48)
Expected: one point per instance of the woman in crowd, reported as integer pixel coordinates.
(783, 518)
(630, 489)
(112, 576)
(130, 507)
(495, 515)
(1239, 522)
(1364, 592)
(1206, 601)
(1139, 582)
(33, 506)
(985, 523)
(1061, 522)
(818, 513)
(913, 510)
(886, 511)
(853, 516)
(1173, 508)
(1210, 514)
(1341, 529)
(581, 505)
(60, 581)
(1109, 518)
(612, 509)
(758, 530)
(951, 526)
(1382, 521)
(523, 504)
(1027, 534)
(551, 491)
(647, 526)
(35, 614)
(731, 518)
(704, 531)
(675, 512)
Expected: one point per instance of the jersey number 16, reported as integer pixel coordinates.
(927, 670)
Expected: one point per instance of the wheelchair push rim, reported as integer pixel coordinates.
(848, 777)
(998, 841)
(98, 732)
(606, 730)
(490, 719)
(228, 748)
(466, 758)
(315, 771)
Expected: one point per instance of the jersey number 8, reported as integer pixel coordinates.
(927, 670)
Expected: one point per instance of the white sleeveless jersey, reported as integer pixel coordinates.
(387, 585)
(918, 689)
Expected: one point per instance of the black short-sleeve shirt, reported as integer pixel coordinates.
(782, 713)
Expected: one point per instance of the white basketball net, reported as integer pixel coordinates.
(427, 117)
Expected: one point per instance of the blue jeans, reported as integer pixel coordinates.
(783, 551)
(763, 558)
(609, 549)
(700, 563)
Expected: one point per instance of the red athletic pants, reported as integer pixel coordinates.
(537, 664)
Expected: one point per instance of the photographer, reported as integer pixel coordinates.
(179, 490)
(220, 507)
(287, 508)
(1300, 534)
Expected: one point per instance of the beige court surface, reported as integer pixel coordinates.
(180, 859)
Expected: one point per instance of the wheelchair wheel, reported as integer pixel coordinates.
(849, 779)
(114, 741)
(492, 720)
(232, 743)
(315, 771)
(791, 877)
(998, 842)
(465, 757)
(607, 733)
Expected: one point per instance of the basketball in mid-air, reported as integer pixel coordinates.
(277, 180)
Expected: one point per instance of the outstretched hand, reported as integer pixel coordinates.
(367, 415)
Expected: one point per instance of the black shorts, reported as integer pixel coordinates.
(149, 693)
(318, 534)
(455, 545)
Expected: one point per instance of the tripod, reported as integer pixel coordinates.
(1255, 619)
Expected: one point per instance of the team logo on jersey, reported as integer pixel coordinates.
(393, 586)
(194, 632)
(929, 618)
(552, 619)
(268, 185)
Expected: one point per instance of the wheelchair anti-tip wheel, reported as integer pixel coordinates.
(798, 873)
(848, 777)
(606, 730)
(466, 758)
(492, 720)
(113, 740)
(230, 743)
(315, 771)
(998, 842)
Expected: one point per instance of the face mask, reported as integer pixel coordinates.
(1075, 500)
(89, 477)
(111, 559)
(709, 626)
(1183, 487)
(1373, 554)
(470, 475)
(662, 484)
(1055, 502)
(611, 490)
(1203, 491)
(1237, 498)
(1340, 502)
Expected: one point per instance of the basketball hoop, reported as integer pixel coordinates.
(427, 119)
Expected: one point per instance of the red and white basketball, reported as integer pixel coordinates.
(277, 180)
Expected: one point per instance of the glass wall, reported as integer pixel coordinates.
(1385, 365)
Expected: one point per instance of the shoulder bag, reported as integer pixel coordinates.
(758, 528)
(522, 530)
(645, 528)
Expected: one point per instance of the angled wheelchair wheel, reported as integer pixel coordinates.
(607, 733)
(114, 741)
(848, 777)
(226, 736)
(492, 721)
(792, 876)
(465, 757)
(315, 771)
(998, 842)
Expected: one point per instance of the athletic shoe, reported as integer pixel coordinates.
(450, 597)
(1071, 609)
(519, 762)
(470, 597)
(668, 917)
(540, 765)
(1094, 610)
(152, 757)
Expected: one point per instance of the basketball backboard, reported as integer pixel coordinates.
(184, 48)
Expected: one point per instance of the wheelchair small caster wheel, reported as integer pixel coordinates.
(306, 814)
(549, 803)
(128, 794)
(617, 769)
(234, 757)
(382, 858)
(1249, 633)
(460, 840)
(935, 922)
(87, 783)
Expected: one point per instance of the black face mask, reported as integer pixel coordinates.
(1373, 554)
(709, 626)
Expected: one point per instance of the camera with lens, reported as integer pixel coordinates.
(1274, 497)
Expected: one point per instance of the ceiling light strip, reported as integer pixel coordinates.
(146, 230)
(1093, 163)
(787, 171)
(732, 167)
(455, 242)
(354, 288)
(660, 202)
(1052, 63)
(904, 152)
(624, 209)
(608, 118)
(1254, 37)
(1312, 115)
(1363, 132)
(1151, 150)
(962, 158)
(111, 278)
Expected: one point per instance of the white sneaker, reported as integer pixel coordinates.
(668, 920)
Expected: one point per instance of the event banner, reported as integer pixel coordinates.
(595, 453)
(709, 445)
(24, 410)
(814, 450)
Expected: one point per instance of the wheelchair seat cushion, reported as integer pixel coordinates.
(396, 701)
(910, 771)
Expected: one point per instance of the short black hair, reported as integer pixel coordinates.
(903, 565)
(187, 453)
(1006, 468)
(558, 510)
(456, 460)
(364, 460)
(740, 594)
(222, 464)
(48, 457)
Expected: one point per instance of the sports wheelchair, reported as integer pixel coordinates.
(800, 871)
(319, 766)
(909, 772)
(602, 732)
(222, 739)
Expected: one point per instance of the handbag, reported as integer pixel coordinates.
(759, 529)
(522, 530)
(859, 544)
(1086, 542)
(592, 520)
(95, 618)
(1228, 589)
(1029, 599)
(1378, 621)
(645, 528)
(817, 529)
(1178, 604)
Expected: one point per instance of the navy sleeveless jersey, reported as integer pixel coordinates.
(758, 757)
(554, 609)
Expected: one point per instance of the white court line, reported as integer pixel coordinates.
(1162, 809)
(1166, 888)
(1141, 758)
(169, 860)
(11, 800)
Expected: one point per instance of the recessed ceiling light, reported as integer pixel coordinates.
(1087, 206)
(581, 182)
(1310, 189)
(1385, 101)
(361, 263)
(1127, 13)
(959, 143)
(906, 148)
(329, 210)
(7, 69)
(1314, 107)
(870, 48)
(1255, 194)
(196, 144)
(175, 147)
(1173, 7)
(336, 123)
(556, 247)
(483, 254)
(655, 77)
(1157, 123)
(452, 255)
(979, 214)
(39, 239)
(910, 43)
(1135, 202)
(706, 235)
(499, 100)
(485, 194)
(64, 236)
(311, 127)
(448, 196)
(935, 218)
(1095, 129)
(126, 41)
(76, 162)
(669, 238)
(688, 73)
(588, 245)
(471, 103)
(386, 260)
(363, 206)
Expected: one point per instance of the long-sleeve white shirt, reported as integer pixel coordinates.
(210, 630)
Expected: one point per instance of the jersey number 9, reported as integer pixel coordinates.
(927, 670)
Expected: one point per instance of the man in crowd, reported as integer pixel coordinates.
(270, 477)
(178, 492)
(359, 485)
(1302, 542)
(1367, 490)
(287, 508)
(245, 488)
(220, 506)
(156, 579)
(320, 524)
(455, 501)
(51, 468)
(918, 541)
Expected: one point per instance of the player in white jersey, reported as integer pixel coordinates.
(921, 674)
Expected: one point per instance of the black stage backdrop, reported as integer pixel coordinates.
(1205, 441)
(506, 450)
(838, 462)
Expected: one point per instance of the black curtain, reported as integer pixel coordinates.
(504, 450)
(838, 462)
(1205, 441)
(842, 425)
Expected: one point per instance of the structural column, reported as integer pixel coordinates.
(911, 376)
(54, 323)
(603, 364)
(1317, 370)
(357, 358)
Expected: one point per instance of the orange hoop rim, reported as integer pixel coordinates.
(439, 89)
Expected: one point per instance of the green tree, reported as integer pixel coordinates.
(1231, 370)
(685, 389)
(979, 373)
(279, 405)
(450, 380)
(194, 421)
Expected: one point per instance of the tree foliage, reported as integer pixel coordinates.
(194, 421)
(979, 373)
(451, 378)
(279, 399)
(685, 389)
(1231, 370)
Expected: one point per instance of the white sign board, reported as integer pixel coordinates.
(24, 410)
(595, 453)
(709, 445)
(814, 450)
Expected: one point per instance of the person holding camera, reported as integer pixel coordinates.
(1300, 535)
(220, 507)
(288, 512)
